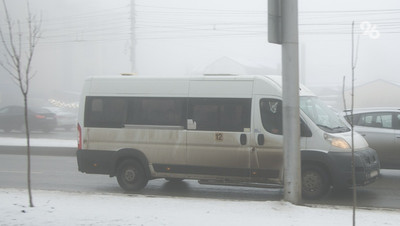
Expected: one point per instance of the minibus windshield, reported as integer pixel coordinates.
(322, 115)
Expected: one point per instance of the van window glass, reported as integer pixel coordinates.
(220, 114)
(206, 116)
(105, 112)
(157, 111)
(354, 117)
(387, 121)
(97, 105)
(377, 120)
(323, 116)
(115, 112)
(271, 115)
(396, 123)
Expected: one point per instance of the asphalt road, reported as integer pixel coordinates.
(60, 173)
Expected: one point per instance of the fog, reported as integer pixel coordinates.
(82, 38)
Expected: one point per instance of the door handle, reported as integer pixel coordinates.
(260, 139)
(243, 139)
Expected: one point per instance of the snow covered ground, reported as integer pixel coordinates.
(67, 208)
(64, 208)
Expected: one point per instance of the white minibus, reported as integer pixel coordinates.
(215, 129)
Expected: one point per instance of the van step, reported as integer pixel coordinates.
(240, 184)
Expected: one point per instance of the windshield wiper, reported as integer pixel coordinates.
(341, 129)
(335, 129)
(325, 127)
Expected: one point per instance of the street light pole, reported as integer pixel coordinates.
(133, 37)
(283, 29)
(290, 99)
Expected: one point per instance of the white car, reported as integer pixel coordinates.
(65, 119)
(381, 128)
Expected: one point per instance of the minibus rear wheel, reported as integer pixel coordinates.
(131, 175)
(315, 182)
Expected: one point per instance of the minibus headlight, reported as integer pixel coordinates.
(337, 141)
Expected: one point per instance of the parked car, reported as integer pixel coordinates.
(40, 119)
(65, 119)
(381, 128)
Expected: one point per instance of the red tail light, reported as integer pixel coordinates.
(79, 137)
(40, 116)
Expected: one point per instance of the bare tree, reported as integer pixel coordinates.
(19, 48)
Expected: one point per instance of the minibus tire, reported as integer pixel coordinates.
(131, 175)
(315, 182)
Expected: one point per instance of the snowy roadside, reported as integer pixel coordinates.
(66, 208)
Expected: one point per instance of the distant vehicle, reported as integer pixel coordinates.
(40, 119)
(65, 119)
(381, 128)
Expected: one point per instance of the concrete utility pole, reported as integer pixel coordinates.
(283, 29)
(133, 37)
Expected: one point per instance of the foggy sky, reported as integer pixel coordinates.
(83, 38)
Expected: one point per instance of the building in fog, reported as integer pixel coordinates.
(378, 93)
(230, 66)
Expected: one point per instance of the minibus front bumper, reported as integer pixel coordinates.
(367, 167)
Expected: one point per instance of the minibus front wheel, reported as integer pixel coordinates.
(315, 182)
(131, 175)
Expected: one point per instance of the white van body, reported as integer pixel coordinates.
(215, 129)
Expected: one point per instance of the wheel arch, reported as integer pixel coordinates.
(320, 159)
(129, 153)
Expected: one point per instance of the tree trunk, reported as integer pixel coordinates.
(28, 148)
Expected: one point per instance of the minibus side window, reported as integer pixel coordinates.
(220, 114)
(271, 117)
(206, 116)
(157, 111)
(108, 112)
(115, 112)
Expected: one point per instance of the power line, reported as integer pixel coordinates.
(160, 22)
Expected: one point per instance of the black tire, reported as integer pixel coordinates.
(131, 175)
(174, 180)
(315, 182)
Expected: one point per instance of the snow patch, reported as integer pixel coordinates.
(66, 208)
